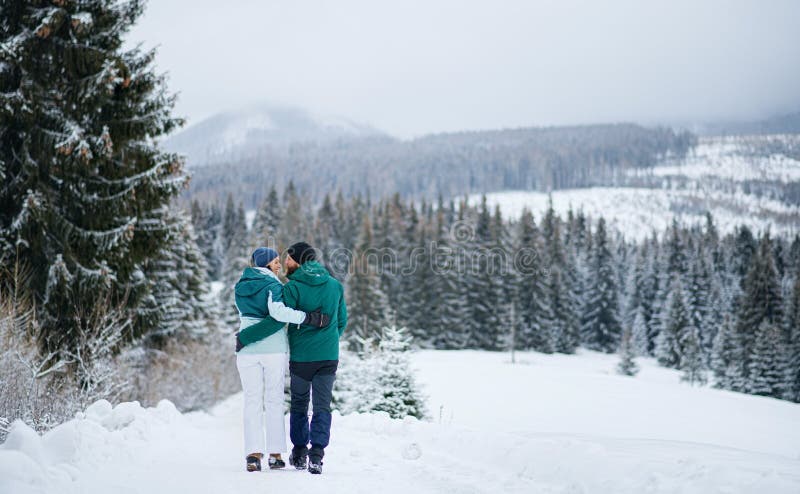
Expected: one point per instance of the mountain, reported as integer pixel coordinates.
(243, 132)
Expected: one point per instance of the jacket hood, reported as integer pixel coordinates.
(252, 282)
(311, 273)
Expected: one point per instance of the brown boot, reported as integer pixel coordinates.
(254, 462)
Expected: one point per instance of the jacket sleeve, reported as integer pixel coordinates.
(281, 313)
(342, 315)
(290, 299)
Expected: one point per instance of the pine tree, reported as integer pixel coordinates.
(767, 367)
(565, 324)
(532, 307)
(627, 365)
(600, 327)
(490, 312)
(268, 220)
(760, 302)
(85, 186)
(368, 308)
(792, 384)
(676, 322)
(639, 333)
(179, 296)
(397, 390)
(726, 356)
(449, 328)
(692, 361)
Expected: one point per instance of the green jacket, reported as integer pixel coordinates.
(311, 287)
(251, 293)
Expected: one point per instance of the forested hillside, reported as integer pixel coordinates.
(444, 164)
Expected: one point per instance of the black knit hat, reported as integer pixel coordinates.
(301, 252)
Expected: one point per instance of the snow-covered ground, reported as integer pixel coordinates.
(636, 211)
(731, 158)
(713, 177)
(549, 424)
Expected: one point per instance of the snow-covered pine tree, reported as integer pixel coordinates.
(179, 288)
(237, 257)
(692, 361)
(397, 392)
(449, 326)
(86, 187)
(639, 333)
(792, 384)
(761, 301)
(698, 290)
(368, 308)
(565, 323)
(651, 290)
(532, 303)
(726, 355)
(267, 220)
(488, 289)
(600, 328)
(675, 322)
(627, 365)
(767, 364)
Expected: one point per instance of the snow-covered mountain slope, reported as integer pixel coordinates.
(636, 211)
(550, 424)
(237, 133)
(740, 180)
(737, 158)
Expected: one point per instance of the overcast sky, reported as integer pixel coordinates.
(411, 67)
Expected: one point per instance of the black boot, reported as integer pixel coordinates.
(299, 457)
(253, 463)
(315, 460)
(275, 463)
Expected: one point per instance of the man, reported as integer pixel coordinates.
(314, 354)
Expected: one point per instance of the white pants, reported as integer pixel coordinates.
(262, 377)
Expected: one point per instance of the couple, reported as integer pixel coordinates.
(312, 302)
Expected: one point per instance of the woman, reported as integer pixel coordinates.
(262, 349)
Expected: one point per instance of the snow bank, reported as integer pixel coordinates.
(30, 463)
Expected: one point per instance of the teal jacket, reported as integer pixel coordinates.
(311, 287)
(251, 293)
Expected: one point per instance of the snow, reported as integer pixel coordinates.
(236, 132)
(729, 158)
(249, 218)
(550, 424)
(636, 211)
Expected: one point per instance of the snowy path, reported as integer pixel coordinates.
(557, 424)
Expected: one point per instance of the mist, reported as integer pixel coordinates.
(417, 67)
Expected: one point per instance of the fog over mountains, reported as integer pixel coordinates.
(244, 131)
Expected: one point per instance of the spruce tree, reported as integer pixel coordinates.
(565, 323)
(86, 188)
(639, 333)
(532, 303)
(396, 387)
(601, 328)
(767, 365)
(368, 308)
(676, 321)
(627, 365)
(267, 220)
(726, 356)
(792, 384)
(760, 302)
(692, 361)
